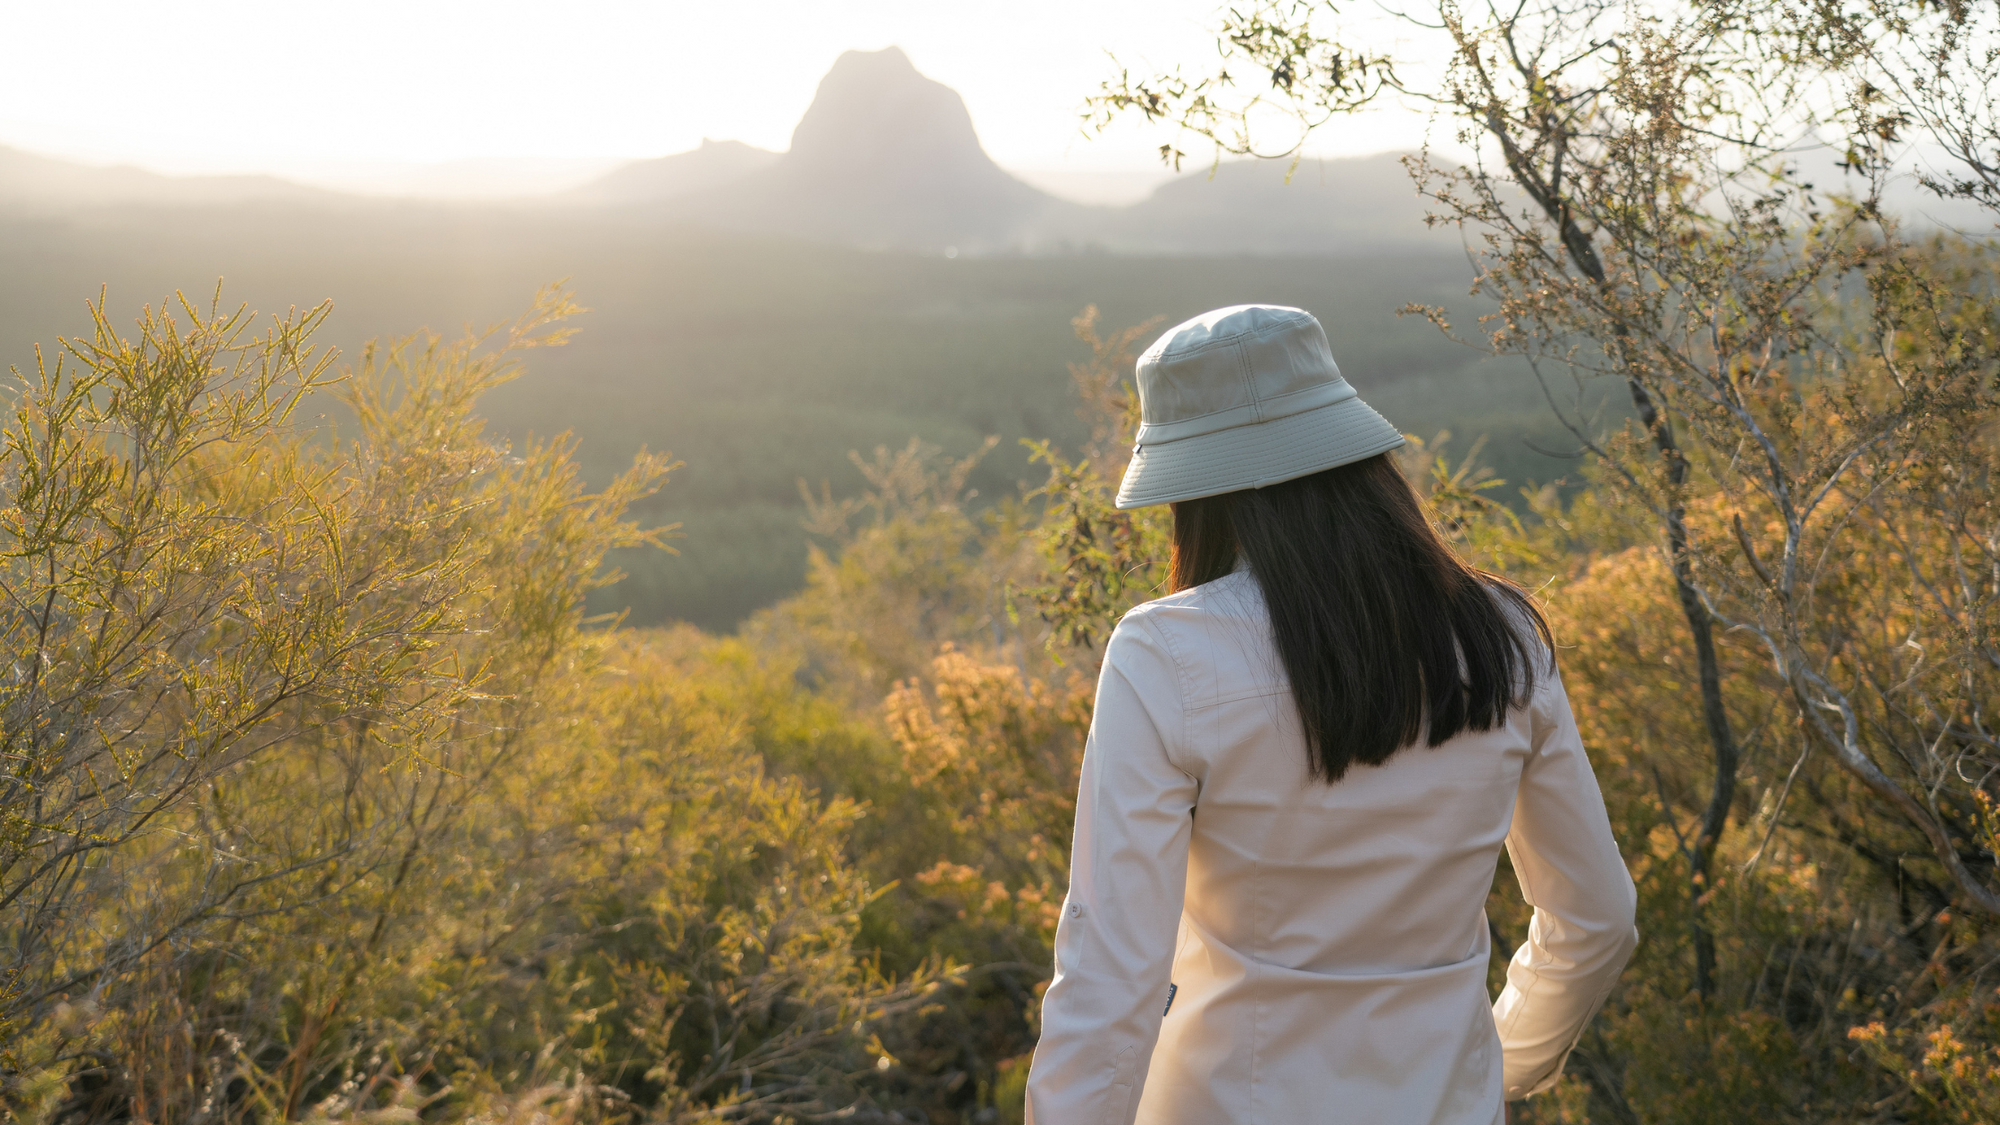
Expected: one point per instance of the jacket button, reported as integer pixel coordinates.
(1076, 910)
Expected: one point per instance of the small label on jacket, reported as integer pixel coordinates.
(1171, 989)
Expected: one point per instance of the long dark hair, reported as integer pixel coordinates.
(1387, 635)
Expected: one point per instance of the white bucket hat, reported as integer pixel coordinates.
(1240, 398)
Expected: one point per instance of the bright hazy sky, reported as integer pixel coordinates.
(292, 87)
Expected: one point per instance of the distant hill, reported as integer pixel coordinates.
(887, 159)
(1355, 205)
(40, 183)
(712, 165)
(883, 159)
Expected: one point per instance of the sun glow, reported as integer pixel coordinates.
(454, 97)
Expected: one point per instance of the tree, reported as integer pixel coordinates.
(210, 616)
(1639, 213)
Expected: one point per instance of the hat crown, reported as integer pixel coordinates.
(1244, 397)
(1235, 367)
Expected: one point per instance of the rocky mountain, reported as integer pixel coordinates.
(884, 157)
(887, 158)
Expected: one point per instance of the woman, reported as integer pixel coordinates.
(1302, 767)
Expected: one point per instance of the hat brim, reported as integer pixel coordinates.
(1256, 455)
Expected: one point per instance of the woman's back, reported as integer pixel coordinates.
(1299, 776)
(1330, 956)
(1385, 871)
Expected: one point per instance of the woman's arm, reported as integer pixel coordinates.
(1128, 875)
(1571, 873)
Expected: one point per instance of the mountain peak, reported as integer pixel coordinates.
(874, 107)
(886, 156)
(883, 157)
(888, 60)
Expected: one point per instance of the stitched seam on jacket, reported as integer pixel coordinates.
(1514, 1016)
(1257, 904)
(1562, 1060)
(1117, 1108)
(1265, 692)
(1181, 679)
(1260, 931)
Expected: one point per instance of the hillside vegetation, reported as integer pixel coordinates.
(761, 362)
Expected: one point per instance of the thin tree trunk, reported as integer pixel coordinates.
(1548, 195)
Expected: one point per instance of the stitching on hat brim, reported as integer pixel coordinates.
(1347, 431)
(1351, 395)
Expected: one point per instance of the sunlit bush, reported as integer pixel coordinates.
(328, 804)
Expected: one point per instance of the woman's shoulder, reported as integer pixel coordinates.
(1234, 595)
(1219, 622)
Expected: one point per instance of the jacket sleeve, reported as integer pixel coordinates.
(1571, 873)
(1128, 874)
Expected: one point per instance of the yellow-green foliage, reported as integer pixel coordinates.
(324, 803)
(365, 822)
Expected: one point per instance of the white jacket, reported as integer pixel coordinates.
(1325, 946)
